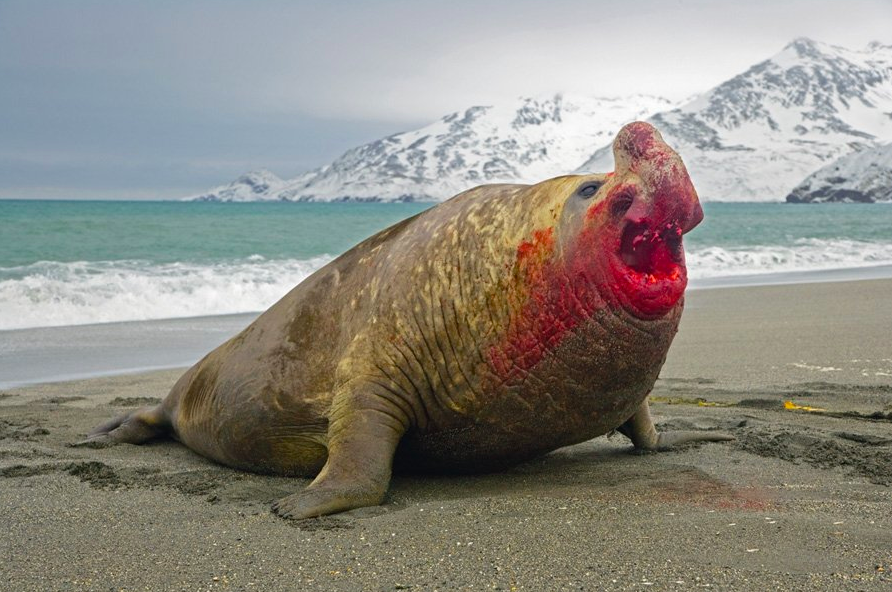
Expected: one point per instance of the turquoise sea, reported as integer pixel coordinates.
(75, 262)
(97, 286)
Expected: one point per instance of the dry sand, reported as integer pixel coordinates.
(802, 500)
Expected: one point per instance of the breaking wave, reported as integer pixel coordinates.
(49, 293)
(807, 254)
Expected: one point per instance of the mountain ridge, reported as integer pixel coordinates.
(753, 137)
(756, 135)
(527, 140)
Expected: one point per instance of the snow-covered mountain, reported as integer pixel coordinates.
(755, 136)
(864, 176)
(252, 186)
(525, 141)
(752, 138)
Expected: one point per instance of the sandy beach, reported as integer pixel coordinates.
(802, 500)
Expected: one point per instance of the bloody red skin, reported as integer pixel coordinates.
(532, 326)
(653, 293)
(554, 297)
(555, 293)
(559, 294)
(542, 243)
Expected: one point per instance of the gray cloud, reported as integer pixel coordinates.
(141, 99)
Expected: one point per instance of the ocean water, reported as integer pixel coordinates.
(66, 263)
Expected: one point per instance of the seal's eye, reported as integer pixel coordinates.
(588, 190)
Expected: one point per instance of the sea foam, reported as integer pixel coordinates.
(48, 293)
(807, 254)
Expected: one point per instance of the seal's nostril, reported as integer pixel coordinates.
(671, 236)
(621, 204)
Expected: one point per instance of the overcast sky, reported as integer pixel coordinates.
(161, 99)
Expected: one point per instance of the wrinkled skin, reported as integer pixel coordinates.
(502, 324)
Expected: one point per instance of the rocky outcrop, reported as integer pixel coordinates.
(864, 177)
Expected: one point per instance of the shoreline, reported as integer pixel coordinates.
(74, 352)
(811, 276)
(800, 500)
(196, 336)
(129, 347)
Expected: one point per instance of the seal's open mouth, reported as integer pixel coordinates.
(653, 254)
(652, 273)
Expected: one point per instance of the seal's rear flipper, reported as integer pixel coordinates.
(135, 427)
(641, 431)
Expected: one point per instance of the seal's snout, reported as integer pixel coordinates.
(653, 203)
(636, 140)
(665, 193)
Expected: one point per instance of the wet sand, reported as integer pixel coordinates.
(802, 500)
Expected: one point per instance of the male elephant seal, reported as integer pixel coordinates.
(502, 324)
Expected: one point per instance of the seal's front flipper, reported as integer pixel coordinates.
(640, 430)
(363, 435)
(136, 427)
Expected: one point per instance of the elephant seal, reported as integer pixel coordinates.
(502, 324)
